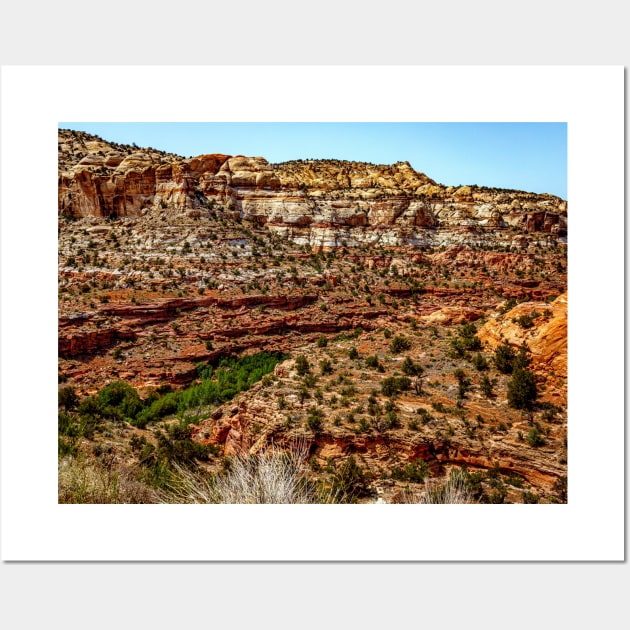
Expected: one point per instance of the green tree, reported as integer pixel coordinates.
(522, 390)
(487, 386)
(463, 382)
(504, 358)
(67, 397)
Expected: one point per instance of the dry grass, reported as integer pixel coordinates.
(272, 477)
(453, 490)
(86, 480)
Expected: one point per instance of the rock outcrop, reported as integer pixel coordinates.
(320, 203)
(546, 335)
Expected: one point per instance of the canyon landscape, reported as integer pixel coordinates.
(311, 331)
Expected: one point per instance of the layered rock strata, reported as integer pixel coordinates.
(321, 203)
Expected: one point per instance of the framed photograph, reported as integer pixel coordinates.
(286, 316)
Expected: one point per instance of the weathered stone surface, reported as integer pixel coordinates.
(321, 203)
(546, 339)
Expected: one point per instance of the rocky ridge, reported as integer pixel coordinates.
(321, 203)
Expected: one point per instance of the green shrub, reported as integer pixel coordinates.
(522, 359)
(530, 497)
(412, 369)
(509, 305)
(463, 382)
(302, 365)
(314, 419)
(487, 386)
(524, 321)
(480, 362)
(522, 390)
(322, 342)
(67, 397)
(399, 343)
(415, 472)
(164, 406)
(350, 481)
(466, 340)
(325, 367)
(535, 438)
(122, 397)
(504, 358)
(394, 385)
(498, 494)
(391, 421)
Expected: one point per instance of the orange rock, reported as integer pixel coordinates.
(547, 339)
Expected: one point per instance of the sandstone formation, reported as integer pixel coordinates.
(546, 338)
(321, 203)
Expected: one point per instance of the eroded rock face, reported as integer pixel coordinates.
(546, 338)
(320, 203)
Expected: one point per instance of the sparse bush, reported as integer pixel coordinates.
(466, 340)
(463, 382)
(325, 367)
(67, 397)
(456, 489)
(302, 365)
(415, 472)
(399, 343)
(411, 369)
(524, 321)
(314, 419)
(480, 362)
(522, 359)
(560, 487)
(487, 386)
(509, 305)
(530, 497)
(498, 493)
(350, 481)
(390, 421)
(393, 385)
(535, 438)
(504, 358)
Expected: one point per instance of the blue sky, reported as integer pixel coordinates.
(523, 156)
